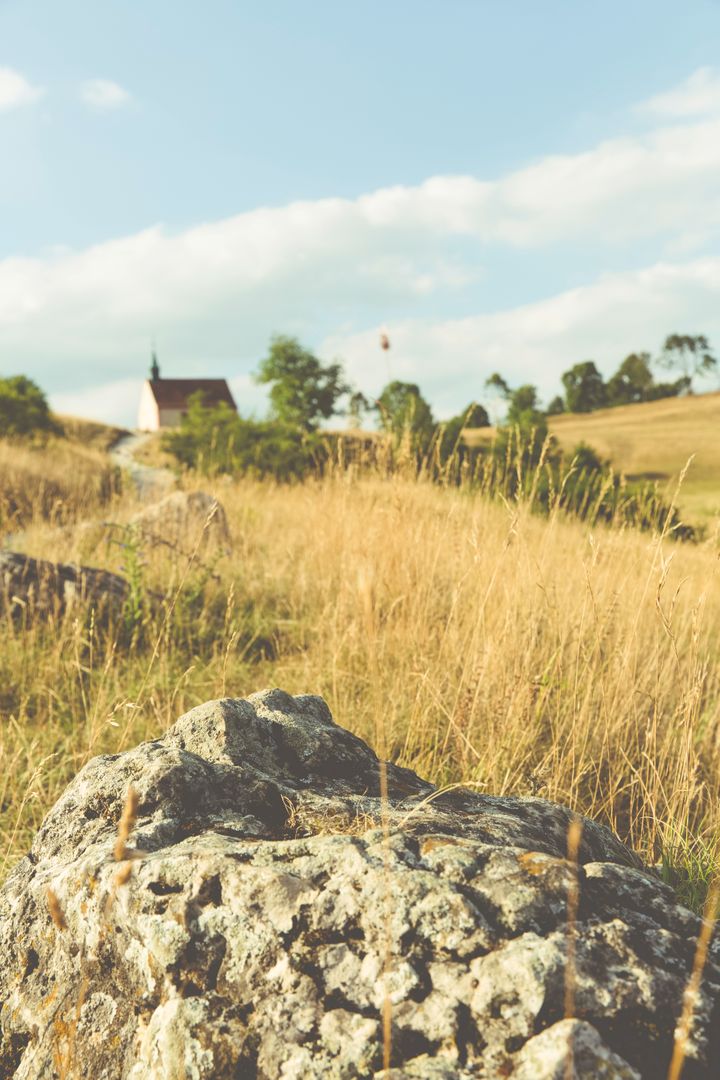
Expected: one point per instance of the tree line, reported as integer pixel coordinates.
(305, 392)
(690, 357)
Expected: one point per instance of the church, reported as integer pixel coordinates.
(164, 402)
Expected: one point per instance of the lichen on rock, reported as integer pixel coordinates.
(269, 906)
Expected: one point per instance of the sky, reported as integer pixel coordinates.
(498, 184)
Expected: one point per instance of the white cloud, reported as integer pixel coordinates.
(104, 94)
(536, 342)
(110, 403)
(117, 402)
(15, 90)
(699, 95)
(214, 293)
(451, 358)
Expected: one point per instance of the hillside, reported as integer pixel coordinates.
(62, 479)
(90, 433)
(654, 441)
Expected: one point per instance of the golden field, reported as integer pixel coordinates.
(654, 441)
(464, 637)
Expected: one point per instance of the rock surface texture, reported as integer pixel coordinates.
(263, 909)
(185, 519)
(34, 587)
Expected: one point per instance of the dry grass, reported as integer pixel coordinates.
(478, 642)
(62, 481)
(89, 433)
(651, 441)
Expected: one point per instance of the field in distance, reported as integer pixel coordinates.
(652, 441)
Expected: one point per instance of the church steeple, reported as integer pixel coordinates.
(155, 368)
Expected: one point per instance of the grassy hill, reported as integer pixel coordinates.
(90, 433)
(64, 478)
(653, 441)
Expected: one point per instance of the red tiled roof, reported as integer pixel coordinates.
(174, 393)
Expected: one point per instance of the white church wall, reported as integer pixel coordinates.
(148, 413)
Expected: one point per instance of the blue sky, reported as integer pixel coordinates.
(501, 185)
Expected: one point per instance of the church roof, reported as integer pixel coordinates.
(174, 393)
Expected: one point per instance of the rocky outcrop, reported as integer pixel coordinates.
(185, 519)
(31, 588)
(253, 909)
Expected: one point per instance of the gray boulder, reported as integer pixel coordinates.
(253, 910)
(32, 588)
(185, 519)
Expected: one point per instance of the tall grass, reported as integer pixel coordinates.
(62, 481)
(526, 655)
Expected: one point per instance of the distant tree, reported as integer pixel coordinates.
(584, 388)
(401, 407)
(302, 390)
(497, 383)
(475, 416)
(556, 406)
(683, 385)
(23, 407)
(690, 355)
(358, 405)
(633, 381)
(522, 402)
(523, 408)
(451, 431)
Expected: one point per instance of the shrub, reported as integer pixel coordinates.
(217, 440)
(23, 408)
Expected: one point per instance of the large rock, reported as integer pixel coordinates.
(185, 519)
(270, 908)
(32, 588)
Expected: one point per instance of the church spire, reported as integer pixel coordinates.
(155, 367)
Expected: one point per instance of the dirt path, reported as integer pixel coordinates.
(151, 482)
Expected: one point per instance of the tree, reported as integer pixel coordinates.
(633, 381)
(358, 405)
(23, 407)
(475, 417)
(521, 403)
(402, 408)
(303, 391)
(683, 385)
(692, 356)
(556, 406)
(523, 410)
(451, 431)
(497, 383)
(584, 388)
